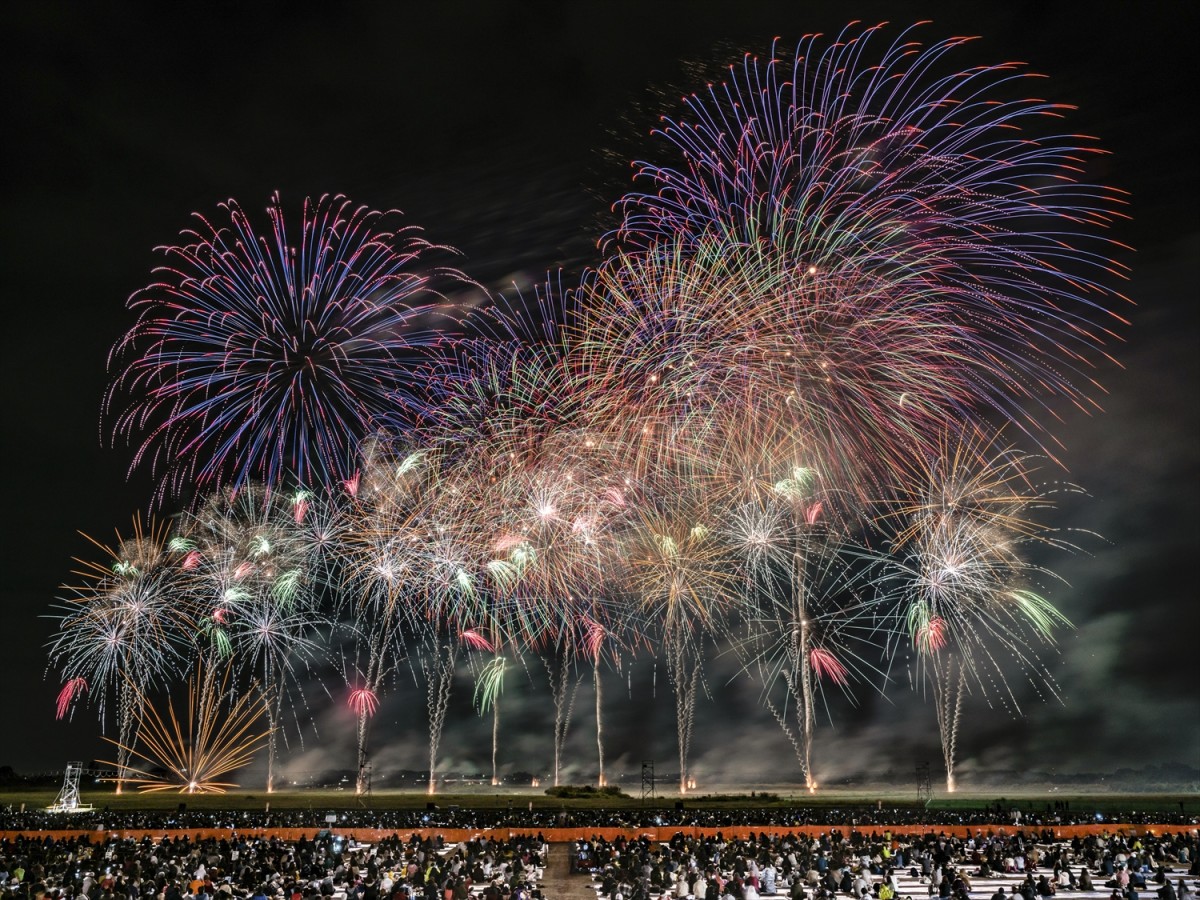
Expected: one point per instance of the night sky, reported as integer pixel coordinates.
(506, 130)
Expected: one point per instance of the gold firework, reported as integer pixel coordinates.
(220, 734)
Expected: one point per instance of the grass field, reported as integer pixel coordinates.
(1110, 805)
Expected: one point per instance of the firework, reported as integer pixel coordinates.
(72, 689)
(263, 355)
(675, 344)
(679, 576)
(219, 735)
(382, 546)
(438, 666)
(489, 685)
(564, 684)
(248, 558)
(364, 702)
(124, 625)
(968, 594)
(596, 638)
(507, 389)
(928, 210)
(475, 640)
(782, 540)
(809, 330)
(415, 560)
(814, 623)
(512, 413)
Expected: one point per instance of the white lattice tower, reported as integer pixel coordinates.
(68, 797)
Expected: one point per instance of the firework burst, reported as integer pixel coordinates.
(967, 590)
(263, 355)
(219, 735)
(249, 558)
(123, 625)
(921, 201)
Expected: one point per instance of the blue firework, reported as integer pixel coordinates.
(271, 355)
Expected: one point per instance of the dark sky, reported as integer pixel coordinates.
(505, 129)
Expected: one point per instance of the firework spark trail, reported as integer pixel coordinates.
(256, 357)
(489, 685)
(438, 667)
(564, 684)
(949, 682)
(364, 703)
(598, 688)
(964, 588)
(595, 639)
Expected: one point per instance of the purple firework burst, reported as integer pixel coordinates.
(943, 193)
(257, 356)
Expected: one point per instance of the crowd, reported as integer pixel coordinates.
(238, 868)
(533, 818)
(859, 864)
(878, 866)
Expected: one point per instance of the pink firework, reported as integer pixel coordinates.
(351, 484)
(192, 560)
(826, 665)
(813, 512)
(69, 692)
(593, 638)
(363, 702)
(475, 640)
(931, 636)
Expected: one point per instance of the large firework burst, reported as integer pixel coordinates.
(263, 355)
(923, 200)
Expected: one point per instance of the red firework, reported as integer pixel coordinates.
(476, 641)
(69, 692)
(826, 665)
(363, 701)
